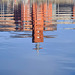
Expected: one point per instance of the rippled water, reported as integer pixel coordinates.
(37, 37)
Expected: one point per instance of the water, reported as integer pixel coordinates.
(37, 37)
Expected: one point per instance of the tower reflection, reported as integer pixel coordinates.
(38, 24)
(26, 22)
(41, 21)
(35, 17)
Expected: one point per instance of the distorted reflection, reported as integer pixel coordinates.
(36, 16)
(45, 27)
(20, 15)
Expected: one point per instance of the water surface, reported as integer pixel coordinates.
(37, 37)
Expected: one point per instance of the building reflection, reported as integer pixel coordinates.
(36, 16)
(20, 14)
(17, 15)
(38, 24)
(26, 22)
(6, 16)
(74, 14)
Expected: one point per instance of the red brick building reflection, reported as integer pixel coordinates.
(26, 23)
(47, 15)
(74, 12)
(38, 22)
(34, 16)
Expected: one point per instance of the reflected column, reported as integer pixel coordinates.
(37, 17)
(47, 16)
(17, 14)
(26, 23)
(74, 12)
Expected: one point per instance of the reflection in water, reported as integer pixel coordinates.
(28, 15)
(37, 47)
(21, 15)
(36, 16)
(37, 19)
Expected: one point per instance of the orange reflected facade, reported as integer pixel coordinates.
(74, 12)
(47, 16)
(38, 14)
(38, 22)
(26, 23)
(27, 16)
(19, 13)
